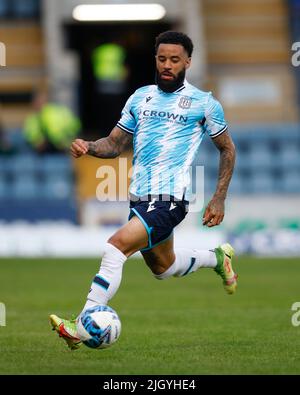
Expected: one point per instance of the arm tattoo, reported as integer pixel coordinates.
(112, 145)
(102, 148)
(227, 160)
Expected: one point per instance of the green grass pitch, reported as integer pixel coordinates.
(177, 326)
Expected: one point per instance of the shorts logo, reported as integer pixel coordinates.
(151, 205)
(172, 206)
(185, 102)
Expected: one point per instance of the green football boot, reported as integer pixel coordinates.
(224, 255)
(67, 330)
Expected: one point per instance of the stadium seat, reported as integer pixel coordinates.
(262, 182)
(242, 159)
(236, 185)
(291, 181)
(25, 186)
(4, 8)
(5, 164)
(267, 159)
(35, 210)
(25, 9)
(289, 155)
(56, 164)
(4, 187)
(57, 187)
(260, 157)
(15, 138)
(24, 163)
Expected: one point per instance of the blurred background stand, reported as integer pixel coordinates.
(66, 78)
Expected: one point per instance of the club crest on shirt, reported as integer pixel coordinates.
(185, 102)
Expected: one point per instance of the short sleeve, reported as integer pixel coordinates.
(214, 118)
(127, 121)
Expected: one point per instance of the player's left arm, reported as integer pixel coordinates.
(214, 212)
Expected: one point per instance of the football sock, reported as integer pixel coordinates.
(188, 261)
(108, 279)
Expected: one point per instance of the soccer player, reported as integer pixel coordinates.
(165, 123)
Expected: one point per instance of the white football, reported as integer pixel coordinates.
(99, 327)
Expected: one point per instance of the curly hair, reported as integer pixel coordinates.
(172, 37)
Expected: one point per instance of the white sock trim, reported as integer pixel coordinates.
(114, 249)
(188, 261)
(168, 273)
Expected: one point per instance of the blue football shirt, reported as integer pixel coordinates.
(167, 131)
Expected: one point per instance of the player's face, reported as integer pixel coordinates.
(172, 61)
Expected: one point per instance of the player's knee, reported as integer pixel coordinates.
(117, 242)
(122, 245)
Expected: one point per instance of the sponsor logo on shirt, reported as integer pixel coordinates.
(169, 116)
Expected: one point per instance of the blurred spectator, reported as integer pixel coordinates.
(110, 73)
(51, 127)
(109, 67)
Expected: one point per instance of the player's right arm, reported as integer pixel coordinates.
(107, 147)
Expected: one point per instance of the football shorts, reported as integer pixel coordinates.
(159, 215)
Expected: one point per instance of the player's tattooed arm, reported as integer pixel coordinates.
(227, 160)
(111, 146)
(214, 212)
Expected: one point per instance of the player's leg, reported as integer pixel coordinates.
(126, 241)
(160, 258)
(165, 262)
